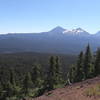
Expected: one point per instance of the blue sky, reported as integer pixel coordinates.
(42, 15)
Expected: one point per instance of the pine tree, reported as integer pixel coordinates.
(53, 76)
(8, 90)
(97, 63)
(12, 77)
(36, 75)
(50, 78)
(71, 75)
(88, 66)
(3, 75)
(27, 84)
(58, 72)
(79, 68)
(12, 81)
(1, 91)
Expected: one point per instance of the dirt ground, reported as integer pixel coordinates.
(76, 91)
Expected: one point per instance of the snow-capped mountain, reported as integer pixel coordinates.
(56, 31)
(62, 31)
(77, 31)
(58, 40)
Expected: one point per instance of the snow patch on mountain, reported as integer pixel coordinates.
(77, 31)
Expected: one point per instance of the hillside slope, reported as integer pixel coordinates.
(86, 90)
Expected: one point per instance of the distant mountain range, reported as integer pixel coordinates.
(58, 40)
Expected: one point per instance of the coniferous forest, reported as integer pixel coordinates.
(26, 79)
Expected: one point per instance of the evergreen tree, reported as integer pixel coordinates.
(27, 84)
(12, 82)
(7, 90)
(53, 77)
(71, 75)
(4, 74)
(1, 91)
(88, 66)
(58, 72)
(36, 75)
(12, 77)
(97, 63)
(50, 78)
(79, 68)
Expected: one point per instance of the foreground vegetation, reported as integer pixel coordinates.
(93, 91)
(16, 84)
(28, 70)
(87, 66)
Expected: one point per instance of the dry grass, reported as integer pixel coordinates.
(93, 91)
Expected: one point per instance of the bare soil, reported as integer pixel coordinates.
(76, 91)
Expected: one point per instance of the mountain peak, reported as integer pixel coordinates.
(57, 30)
(79, 28)
(58, 27)
(77, 31)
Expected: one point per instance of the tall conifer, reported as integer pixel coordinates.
(97, 63)
(79, 68)
(88, 67)
(27, 84)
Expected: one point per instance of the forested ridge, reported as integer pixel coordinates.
(21, 65)
(16, 84)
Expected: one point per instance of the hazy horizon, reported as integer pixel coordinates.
(29, 16)
(46, 31)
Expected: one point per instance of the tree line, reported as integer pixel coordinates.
(87, 66)
(14, 85)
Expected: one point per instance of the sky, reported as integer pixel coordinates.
(26, 16)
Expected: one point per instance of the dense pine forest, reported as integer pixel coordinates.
(30, 75)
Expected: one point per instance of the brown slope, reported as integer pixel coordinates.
(77, 91)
